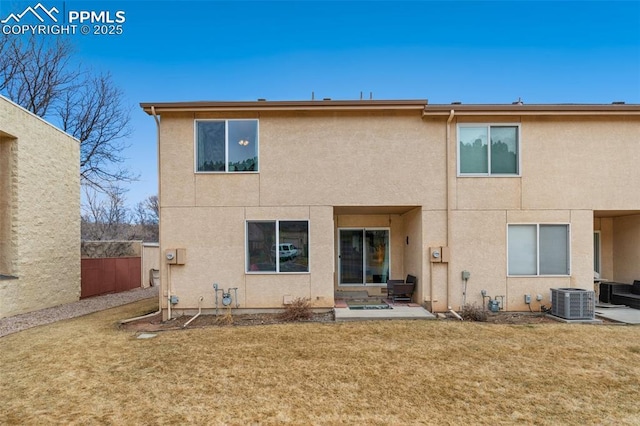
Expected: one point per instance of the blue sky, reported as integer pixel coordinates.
(474, 52)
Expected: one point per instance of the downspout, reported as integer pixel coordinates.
(168, 284)
(155, 116)
(448, 189)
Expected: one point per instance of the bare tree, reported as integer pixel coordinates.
(94, 114)
(153, 206)
(37, 73)
(105, 215)
(145, 217)
(7, 68)
(39, 76)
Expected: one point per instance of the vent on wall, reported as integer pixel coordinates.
(573, 303)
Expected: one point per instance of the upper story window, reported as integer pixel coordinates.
(489, 150)
(226, 145)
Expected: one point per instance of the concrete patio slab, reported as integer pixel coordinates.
(621, 314)
(396, 312)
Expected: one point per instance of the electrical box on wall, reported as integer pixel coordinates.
(445, 255)
(170, 256)
(181, 256)
(175, 256)
(435, 254)
(439, 254)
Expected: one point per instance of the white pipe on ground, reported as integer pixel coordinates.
(196, 315)
(141, 317)
(455, 314)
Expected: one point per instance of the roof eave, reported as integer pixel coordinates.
(533, 109)
(323, 105)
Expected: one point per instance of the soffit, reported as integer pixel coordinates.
(435, 110)
(323, 105)
(615, 213)
(533, 109)
(372, 210)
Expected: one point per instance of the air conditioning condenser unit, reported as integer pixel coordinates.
(573, 303)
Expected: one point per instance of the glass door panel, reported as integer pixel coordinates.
(351, 256)
(364, 256)
(377, 262)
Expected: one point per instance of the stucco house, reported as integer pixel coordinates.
(39, 213)
(274, 200)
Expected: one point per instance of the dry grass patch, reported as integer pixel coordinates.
(87, 371)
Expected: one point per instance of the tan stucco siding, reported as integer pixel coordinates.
(626, 256)
(565, 163)
(150, 260)
(434, 276)
(330, 167)
(45, 219)
(605, 226)
(214, 238)
(488, 193)
(411, 245)
(214, 241)
(177, 178)
(308, 164)
(480, 246)
(346, 160)
(580, 163)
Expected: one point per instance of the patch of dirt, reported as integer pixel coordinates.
(519, 318)
(155, 323)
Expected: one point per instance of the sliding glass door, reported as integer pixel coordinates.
(364, 256)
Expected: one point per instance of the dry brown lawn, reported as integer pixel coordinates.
(87, 371)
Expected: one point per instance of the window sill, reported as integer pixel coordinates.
(469, 175)
(538, 276)
(242, 172)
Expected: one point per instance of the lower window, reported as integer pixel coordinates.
(278, 246)
(538, 249)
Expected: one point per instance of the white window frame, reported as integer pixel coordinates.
(226, 146)
(488, 126)
(363, 229)
(538, 274)
(277, 244)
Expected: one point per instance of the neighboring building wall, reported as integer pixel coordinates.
(7, 182)
(45, 213)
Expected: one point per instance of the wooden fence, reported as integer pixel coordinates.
(109, 275)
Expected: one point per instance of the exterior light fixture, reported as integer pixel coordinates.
(243, 142)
